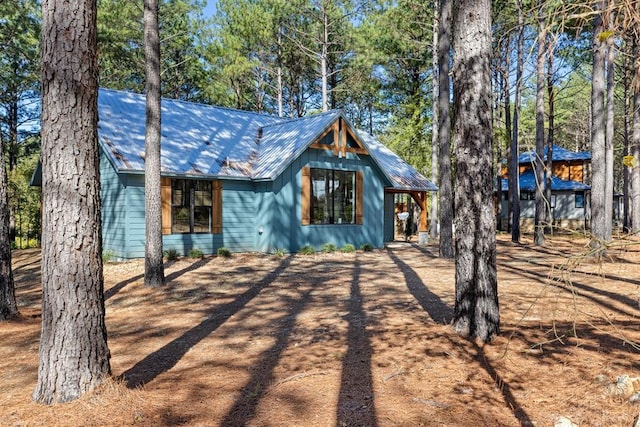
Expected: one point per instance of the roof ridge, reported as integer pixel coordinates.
(296, 119)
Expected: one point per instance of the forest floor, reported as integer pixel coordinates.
(359, 339)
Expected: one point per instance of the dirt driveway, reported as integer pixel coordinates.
(357, 339)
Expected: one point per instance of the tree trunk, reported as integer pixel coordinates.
(444, 132)
(324, 60)
(539, 216)
(551, 99)
(433, 229)
(609, 133)
(598, 160)
(74, 357)
(8, 306)
(153, 262)
(476, 312)
(514, 167)
(635, 143)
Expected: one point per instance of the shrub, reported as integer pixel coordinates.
(348, 248)
(327, 248)
(195, 253)
(367, 247)
(108, 256)
(278, 252)
(171, 254)
(307, 250)
(224, 252)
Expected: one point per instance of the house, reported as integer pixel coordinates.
(569, 192)
(248, 182)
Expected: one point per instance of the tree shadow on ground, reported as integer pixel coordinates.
(431, 303)
(244, 408)
(168, 356)
(356, 405)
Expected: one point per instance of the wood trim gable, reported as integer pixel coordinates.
(340, 131)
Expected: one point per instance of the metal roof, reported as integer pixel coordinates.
(202, 140)
(559, 154)
(528, 183)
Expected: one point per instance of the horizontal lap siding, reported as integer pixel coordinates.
(239, 221)
(287, 201)
(135, 216)
(114, 212)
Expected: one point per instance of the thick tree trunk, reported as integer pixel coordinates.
(8, 306)
(433, 228)
(635, 143)
(153, 262)
(539, 215)
(476, 311)
(598, 159)
(551, 100)
(609, 133)
(514, 168)
(74, 357)
(444, 132)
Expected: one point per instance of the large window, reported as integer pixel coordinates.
(191, 203)
(332, 196)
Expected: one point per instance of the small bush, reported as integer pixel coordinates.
(224, 252)
(108, 256)
(348, 248)
(307, 250)
(171, 254)
(195, 253)
(367, 247)
(278, 252)
(327, 248)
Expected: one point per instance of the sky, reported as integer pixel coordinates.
(210, 8)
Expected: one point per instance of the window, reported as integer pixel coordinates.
(331, 196)
(553, 201)
(527, 195)
(191, 206)
(579, 199)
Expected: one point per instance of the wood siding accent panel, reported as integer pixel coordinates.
(359, 197)
(305, 201)
(217, 207)
(165, 196)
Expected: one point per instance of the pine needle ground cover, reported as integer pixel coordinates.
(348, 339)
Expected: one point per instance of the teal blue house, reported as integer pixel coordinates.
(247, 182)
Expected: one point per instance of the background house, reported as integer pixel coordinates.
(247, 181)
(569, 192)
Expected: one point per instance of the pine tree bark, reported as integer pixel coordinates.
(73, 357)
(514, 168)
(598, 161)
(435, 140)
(609, 132)
(8, 305)
(444, 132)
(635, 142)
(476, 312)
(539, 215)
(153, 262)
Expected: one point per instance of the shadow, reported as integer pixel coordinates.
(119, 286)
(431, 303)
(168, 356)
(244, 408)
(579, 289)
(196, 265)
(503, 386)
(356, 405)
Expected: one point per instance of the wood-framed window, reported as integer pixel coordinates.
(191, 206)
(331, 196)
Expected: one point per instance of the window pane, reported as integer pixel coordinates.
(180, 219)
(579, 199)
(343, 197)
(202, 219)
(318, 196)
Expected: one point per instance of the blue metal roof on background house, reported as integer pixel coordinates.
(528, 183)
(202, 140)
(558, 154)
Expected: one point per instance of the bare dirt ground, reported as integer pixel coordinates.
(357, 339)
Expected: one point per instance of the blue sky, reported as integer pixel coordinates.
(210, 8)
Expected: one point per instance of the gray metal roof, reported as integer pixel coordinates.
(558, 154)
(201, 140)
